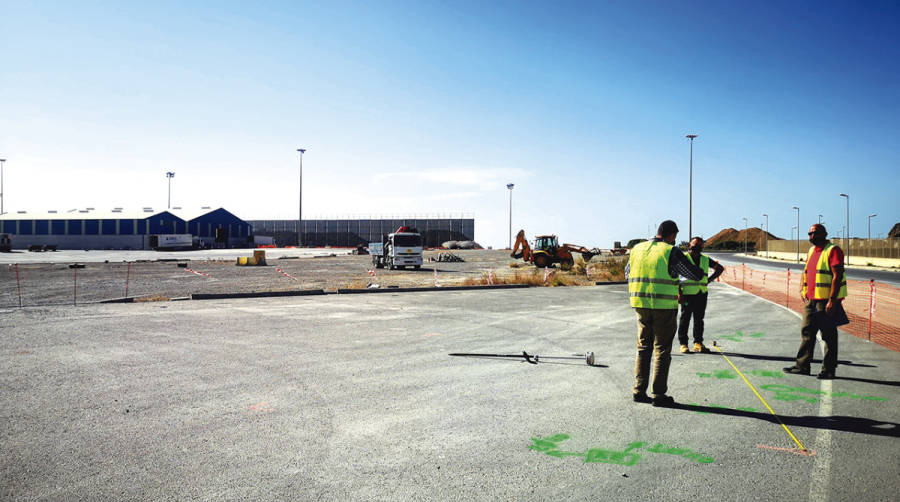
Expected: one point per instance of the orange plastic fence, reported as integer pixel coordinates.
(873, 307)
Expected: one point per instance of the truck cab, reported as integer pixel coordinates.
(400, 249)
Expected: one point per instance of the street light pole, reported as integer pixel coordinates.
(300, 211)
(820, 218)
(847, 233)
(170, 175)
(1, 185)
(745, 234)
(870, 230)
(691, 189)
(510, 187)
(798, 233)
(767, 234)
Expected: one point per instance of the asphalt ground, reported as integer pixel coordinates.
(355, 397)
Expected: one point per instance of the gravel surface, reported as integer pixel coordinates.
(57, 283)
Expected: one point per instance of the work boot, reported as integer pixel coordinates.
(796, 370)
(685, 349)
(663, 401)
(699, 347)
(642, 397)
(825, 375)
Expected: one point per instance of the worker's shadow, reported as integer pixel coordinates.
(786, 359)
(835, 422)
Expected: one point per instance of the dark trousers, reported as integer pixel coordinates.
(656, 329)
(808, 330)
(693, 306)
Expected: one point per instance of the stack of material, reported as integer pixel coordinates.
(258, 259)
(447, 257)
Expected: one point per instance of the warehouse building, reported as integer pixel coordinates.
(350, 232)
(124, 229)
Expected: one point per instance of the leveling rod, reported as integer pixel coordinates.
(587, 357)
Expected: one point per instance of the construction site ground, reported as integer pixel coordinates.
(48, 279)
(354, 397)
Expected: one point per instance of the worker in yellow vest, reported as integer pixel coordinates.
(693, 295)
(652, 273)
(824, 288)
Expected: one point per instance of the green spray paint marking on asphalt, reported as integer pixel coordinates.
(785, 393)
(739, 336)
(723, 374)
(550, 446)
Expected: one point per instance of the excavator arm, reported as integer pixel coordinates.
(586, 254)
(522, 243)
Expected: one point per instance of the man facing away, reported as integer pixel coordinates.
(693, 295)
(824, 288)
(652, 272)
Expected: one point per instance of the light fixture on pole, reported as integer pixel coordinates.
(170, 175)
(746, 231)
(1, 185)
(691, 189)
(300, 212)
(870, 228)
(847, 232)
(510, 187)
(767, 234)
(820, 218)
(798, 233)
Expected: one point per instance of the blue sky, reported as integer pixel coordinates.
(412, 108)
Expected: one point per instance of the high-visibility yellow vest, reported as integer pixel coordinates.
(693, 287)
(823, 275)
(649, 283)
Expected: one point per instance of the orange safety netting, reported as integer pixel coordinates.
(872, 307)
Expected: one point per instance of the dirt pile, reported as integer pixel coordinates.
(895, 232)
(752, 234)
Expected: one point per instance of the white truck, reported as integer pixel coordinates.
(400, 249)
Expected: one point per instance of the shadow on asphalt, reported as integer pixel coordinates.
(520, 359)
(793, 359)
(835, 423)
(893, 383)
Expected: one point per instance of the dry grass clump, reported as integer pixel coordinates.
(154, 298)
(610, 269)
(517, 264)
(356, 284)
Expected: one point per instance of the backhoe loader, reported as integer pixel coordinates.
(547, 251)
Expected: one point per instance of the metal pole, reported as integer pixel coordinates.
(510, 187)
(300, 212)
(847, 233)
(170, 175)
(1, 185)
(691, 190)
(798, 233)
(746, 231)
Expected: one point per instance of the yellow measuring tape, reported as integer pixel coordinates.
(761, 399)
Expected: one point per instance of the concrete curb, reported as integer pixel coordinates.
(445, 288)
(261, 294)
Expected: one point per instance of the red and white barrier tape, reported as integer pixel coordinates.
(289, 276)
(491, 276)
(196, 273)
(436, 283)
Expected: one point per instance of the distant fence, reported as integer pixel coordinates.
(354, 232)
(873, 307)
(875, 248)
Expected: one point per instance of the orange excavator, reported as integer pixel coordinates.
(548, 251)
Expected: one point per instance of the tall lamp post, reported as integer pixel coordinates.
(691, 189)
(170, 175)
(510, 187)
(847, 233)
(300, 212)
(767, 234)
(820, 218)
(870, 230)
(1, 185)
(745, 235)
(798, 233)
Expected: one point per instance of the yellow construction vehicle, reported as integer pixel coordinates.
(548, 251)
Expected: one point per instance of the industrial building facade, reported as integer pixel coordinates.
(354, 232)
(121, 229)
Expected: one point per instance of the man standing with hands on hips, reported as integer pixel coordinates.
(652, 273)
(824, 288)
(692, 297)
